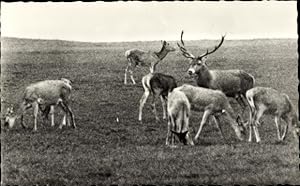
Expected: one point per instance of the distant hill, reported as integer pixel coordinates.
(12, 44)
(29, 45)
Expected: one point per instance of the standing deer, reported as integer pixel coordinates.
(150, 59)
(179, 110)
(156, 84)
(270, 101)
(45, 94)
(234, 83)
(212, 103)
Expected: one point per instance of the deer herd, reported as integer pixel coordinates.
(210, 96)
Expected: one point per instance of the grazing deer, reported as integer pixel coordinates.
(49, 109)
(45, 94)
(150, 59)
(179, 109)
(212, 103)
(156, 84)
(270, 101)
(234, 83)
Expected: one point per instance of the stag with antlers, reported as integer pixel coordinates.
(142, 58)
(234, 83)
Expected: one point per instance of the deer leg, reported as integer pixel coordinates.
(72, 116)
(241, 102)
(284, 132)
(68, 111)
(256, 133)
(131, 76)
(45, 111)
(125, 75)
(24, 107)
(35, 115)
(217, 122)
(205, 116)
(169, 133)
(130, 69)
(277, 127)
(250, 132)
(142, 103)
(164, 106)
(52, 115)
(22, 121)
(63, 122)
(257, 116)
(173, 124)
(154, 108)
(245, 103)
(287, 122)
(251, 122)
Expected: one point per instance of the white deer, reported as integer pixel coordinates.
(142, 58)
(234, 83)
(270, 101)
(45, 94)
(212, 103)
(179, 109)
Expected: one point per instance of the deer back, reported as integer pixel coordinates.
(202, 98)
(162, 82)
(49, 90)
(231, 82)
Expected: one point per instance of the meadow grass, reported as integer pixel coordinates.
(103, 151)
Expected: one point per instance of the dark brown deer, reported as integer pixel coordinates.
(156, 84)
(142, 58)
(234, 83)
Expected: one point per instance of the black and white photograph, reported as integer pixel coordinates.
(149, 93)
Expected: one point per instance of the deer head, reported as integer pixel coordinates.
(184, 137)
(166, 46)
(197, 64)
(9, 117)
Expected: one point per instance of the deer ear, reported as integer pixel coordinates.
(204, 59)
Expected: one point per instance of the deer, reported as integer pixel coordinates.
(179, 111)
(234, 83)
(137, 57)
(212, 103)
(49, 109)
(43, 94)
(269, 101)
(156, 84)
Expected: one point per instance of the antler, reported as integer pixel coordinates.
(216, 48)
(184, 51)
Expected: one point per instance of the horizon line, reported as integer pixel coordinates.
(120, 41)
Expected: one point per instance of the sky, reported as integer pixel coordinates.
(141, 21)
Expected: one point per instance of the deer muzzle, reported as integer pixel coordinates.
(191, 71)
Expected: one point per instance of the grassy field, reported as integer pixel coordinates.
(103, 151)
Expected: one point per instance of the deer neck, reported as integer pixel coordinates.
(162, 53)
(203, 78)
